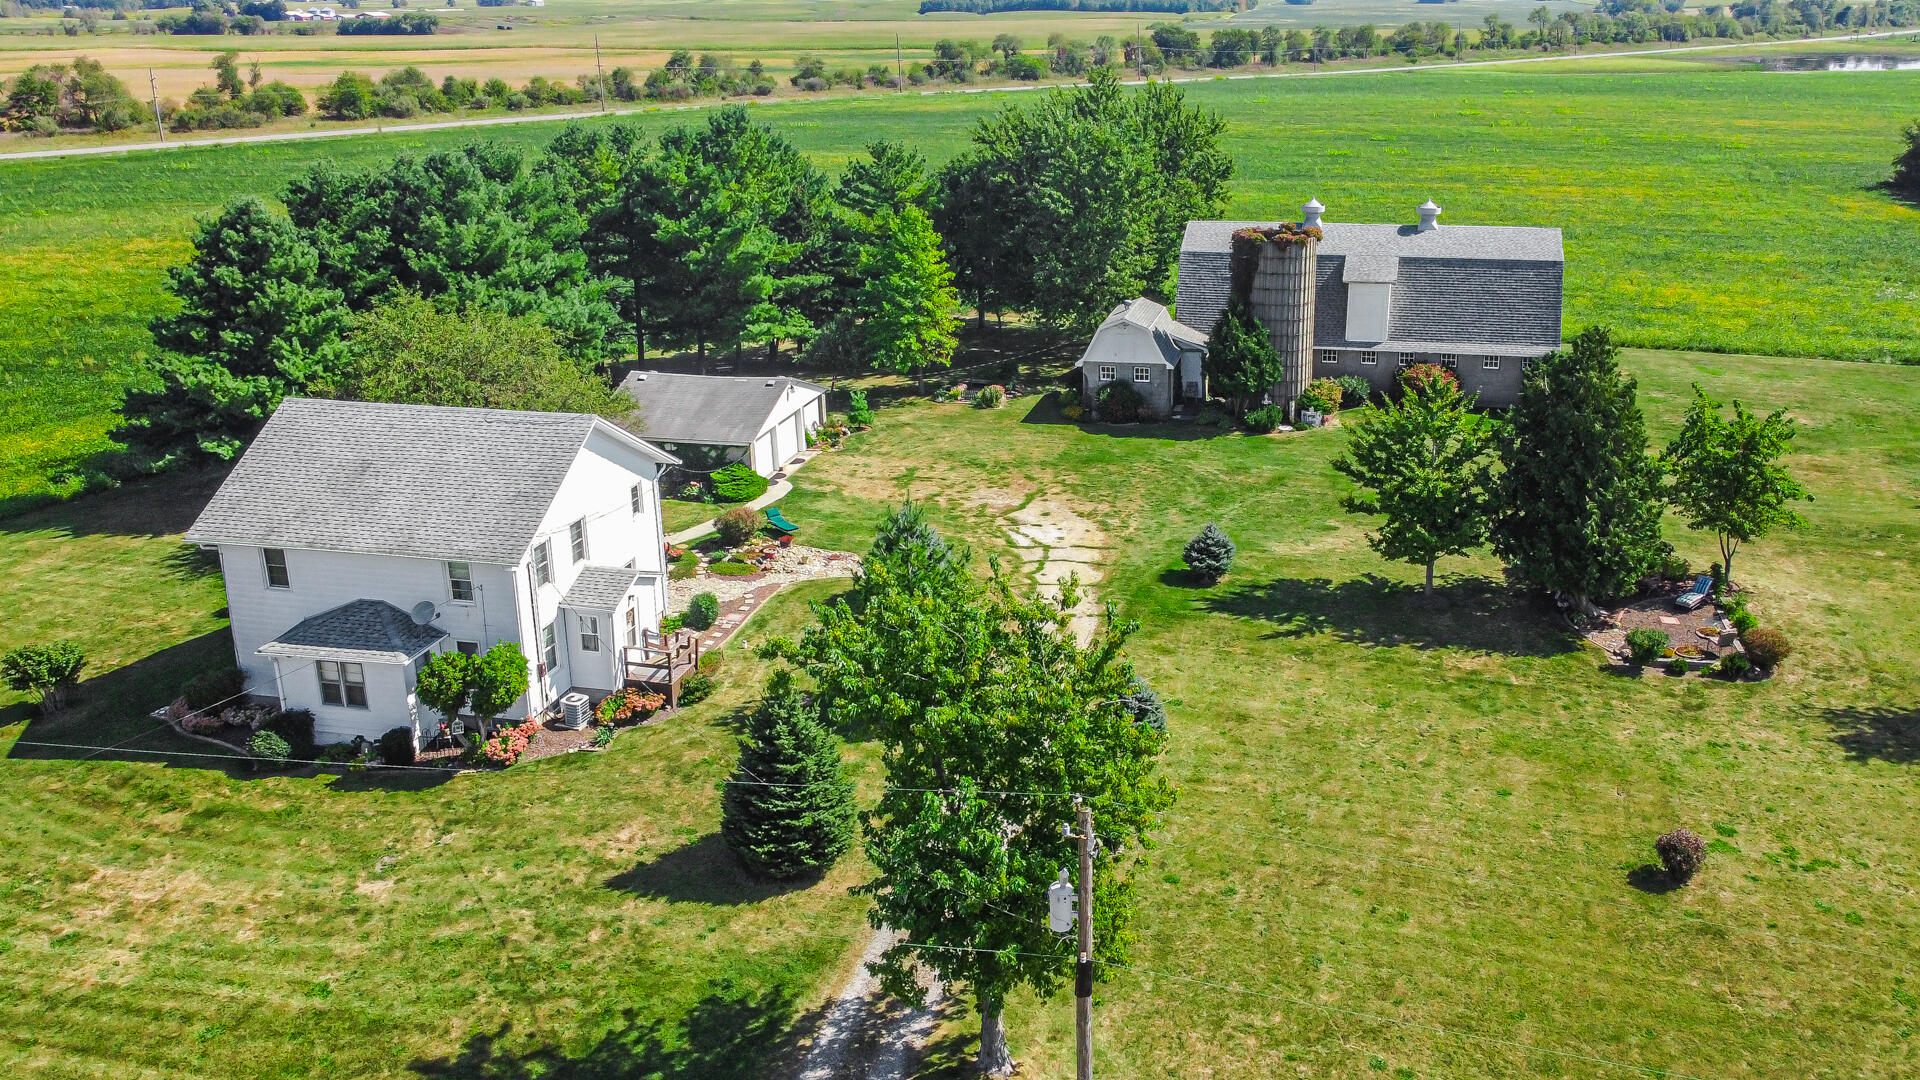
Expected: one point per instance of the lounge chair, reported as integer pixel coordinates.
(779, 521)
(1694, 597)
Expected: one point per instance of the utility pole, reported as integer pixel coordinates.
(1083, 971)
(1139, 52)
(602, 72)
(153, 86)
(899, 69)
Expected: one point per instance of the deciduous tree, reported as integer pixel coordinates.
(1727, 476)
(1422, 465)
(1577, 502)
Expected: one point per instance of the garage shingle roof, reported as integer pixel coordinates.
(413, 480)
(710, 410)
(362, 631)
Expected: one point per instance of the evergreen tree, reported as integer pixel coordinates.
(1906, 167)
(1422, 462)
(891, 177)
(1210, 554)
(1578, 500)
(906, 307)
(789, 809)
(1241, 362)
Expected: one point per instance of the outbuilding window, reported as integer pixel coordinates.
(1451, 361)
(589, 633)
(1330, 356)
(1369, 357)
(1143, 374)
(343, 684)
(1407, 359)
(471, 648)
(1491, 363)
(460, 582)
(1107, 373)
(277, 577)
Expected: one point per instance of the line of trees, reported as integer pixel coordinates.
(1564, 486)
(1171, 7)
(49, 98)
(716, 236)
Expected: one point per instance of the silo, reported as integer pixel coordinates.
(1281, 296)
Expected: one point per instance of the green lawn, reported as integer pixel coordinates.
(1426, 814)
(1710, 209)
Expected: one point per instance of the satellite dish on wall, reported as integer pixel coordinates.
(424, 612)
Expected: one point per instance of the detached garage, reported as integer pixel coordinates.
(713, 420)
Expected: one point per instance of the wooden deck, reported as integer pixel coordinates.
(661, 662)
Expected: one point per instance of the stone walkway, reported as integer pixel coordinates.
(776, 491)
(740, 597)
(1055, 543)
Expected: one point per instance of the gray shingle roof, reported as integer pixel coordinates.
(1482, 285)
(711, 410)
(1170, 336)
(414, 480)
(600, 588)
(362, 631)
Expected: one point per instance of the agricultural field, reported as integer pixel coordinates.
(1410, 840)
(1749, 220)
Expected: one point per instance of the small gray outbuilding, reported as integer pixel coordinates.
(1142, 345)
(712, 420)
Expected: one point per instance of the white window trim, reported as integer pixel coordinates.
(541, 564)
(266, 567)
(638, 501)
(1369, 358)
(589, 632)
(577, 541)
(1330, 357)
(453, 591)
(1451, 361)
(550, 646)
(1109, 373)
(341, 683)
(1408, 359)
(633, 627)
(1490, 363)
(1143, 374)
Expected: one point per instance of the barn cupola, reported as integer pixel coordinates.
(1429, 216)
(1310, 212)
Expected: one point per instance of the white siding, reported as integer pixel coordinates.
(785, 432)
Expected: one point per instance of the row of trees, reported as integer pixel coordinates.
(47, 98)
(718, 235)
(1564, 487)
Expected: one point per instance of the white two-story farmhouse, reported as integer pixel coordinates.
(357, 539)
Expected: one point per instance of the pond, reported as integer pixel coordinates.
(1840, 62)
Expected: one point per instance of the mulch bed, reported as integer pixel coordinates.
(1654, 610)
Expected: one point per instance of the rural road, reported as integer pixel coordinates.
(490, 121)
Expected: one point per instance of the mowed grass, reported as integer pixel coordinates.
(1416, 837)
(168, 914)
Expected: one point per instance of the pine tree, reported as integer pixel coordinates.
(1578, 503)
(790, 808)
(1210, 554)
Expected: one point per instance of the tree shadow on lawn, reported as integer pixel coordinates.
(1651, 879)
(1472, 613)
(1047, 411)
(1883, 732)
(111, 710)
(731, 1034)
(703, 872)
(162, 505)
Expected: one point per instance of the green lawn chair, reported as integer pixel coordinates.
(779, 521)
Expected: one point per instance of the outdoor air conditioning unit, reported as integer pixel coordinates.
(576, 711)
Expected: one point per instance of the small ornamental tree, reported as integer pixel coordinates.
(1421, 378)
(1726, 475)
(788, 809)
(859, 413)
(445, 683)
(1681, 852)
(44, 670)
(499, 678)
(1421, 463)
(1210, 554)
(1145, 706)
(1241, 362)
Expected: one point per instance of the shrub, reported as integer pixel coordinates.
(728, 568)
(991, 397)
(1681, 852)
(737, 525)
(1744, 622)
(396, 746)
(791, 808)
(703, 611)
(1210, 554)
(1354, 391)
(209, 689)
(1144, 705)
(738, 483)
(506, 746)
(603, 735)
(1419, 378)
(44, 670)
(1072, 411)
(1675, 568)
(1645, 646)
(269, 746)
(295, 726)
(1732, 666)
(696, 688)
(1119, 403)
(671, 623)
(1766, 646)
(859, 413)
(1677, 666)
(1266, 419)
(1322, 394)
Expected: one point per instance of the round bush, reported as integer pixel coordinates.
(991, 397)
(210, 689)
(1733, 666)
(396, 746)
(1119, 403)
(1645, 646)
(1266, 420)
(269, 745)
(737, 526)
(696, 688)
(1681, 852)
(1210, 554)
(1676, 666)
(1744, 622)
(1354, 391)
(1766, 646)
(738, 483)
(1322, 394)
(295, 726)
(1420, 378)
(702, 612)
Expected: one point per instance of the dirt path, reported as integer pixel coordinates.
(1055, 543)
(866, 1034)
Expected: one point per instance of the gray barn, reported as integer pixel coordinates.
(1480, 300)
